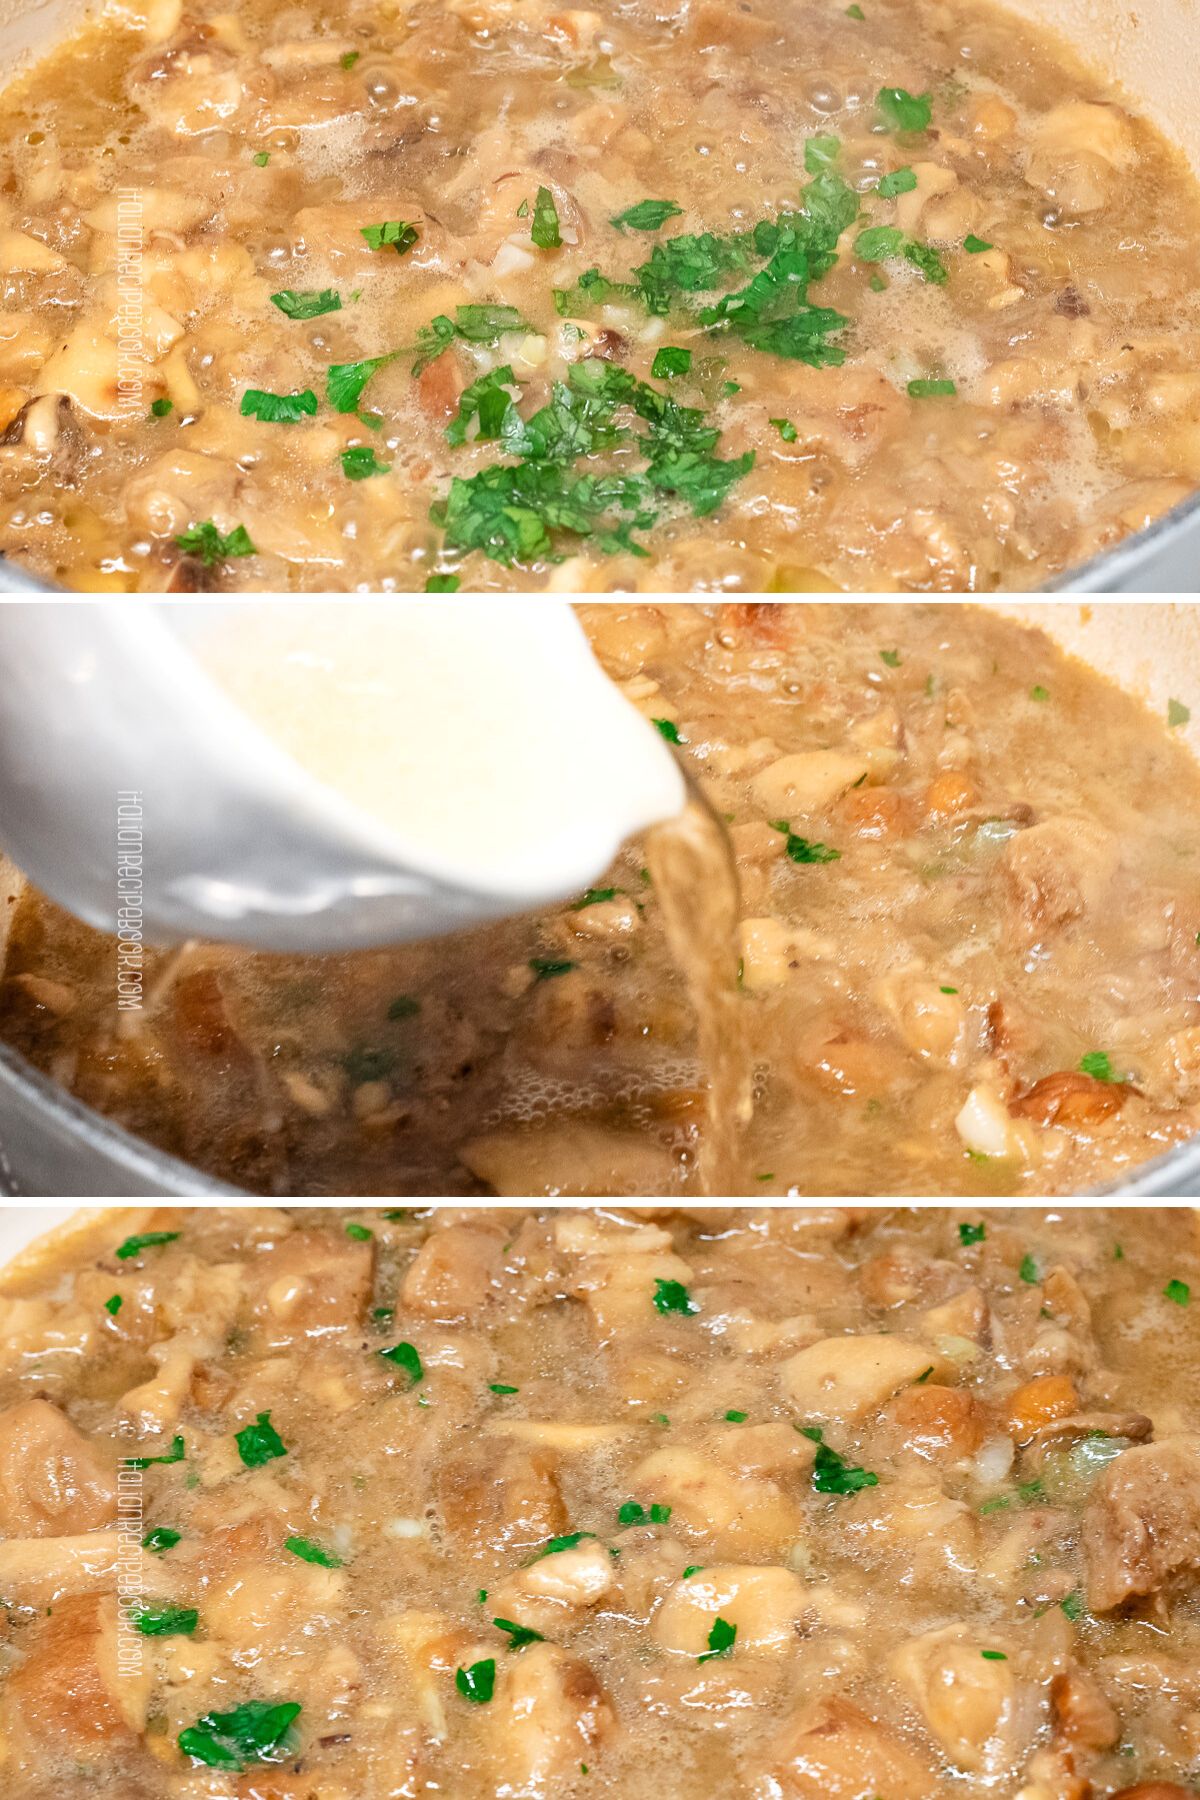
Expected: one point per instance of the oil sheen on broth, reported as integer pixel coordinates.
(772, 1504)
(766, 297)
(968, 942)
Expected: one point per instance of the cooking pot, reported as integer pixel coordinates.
(1150, 51)
(52, 1144)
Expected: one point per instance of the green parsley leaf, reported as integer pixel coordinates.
(1098, 1064)
(404, 1006)
(891, 658)
(1177, 714)
(344, 382)
(113, 1305)
(931, 390)
(349, 59)
(786, 430)
(801, 849)
(545, 968)
(670, 360)
(255, 1732)
(309, 1552)
(360, 462)
(855, 12)
(160, 1539)
(442, 584)
(147, 1240)
(1029, 1271)
(165, 1621)
(878, 242)
(736, 1418)
(406, 1357)
(502, 1387)
(173, 1455)
(487, 401)
(478, 1683)
(673, 1297)
(1073, 1605)
(1178, 1291)
(974, 246)
(971, 1234)
(393, 234)
(206, 542)
(1039, 693)
(647, 215)
(721, 1640)
(904, 111)
(278, 409)
(360, 1233)
(993, 1656)
(518, 1635)
(832, 1474)
(900, 181)
(364, 1063)
(821, 152)
(261, 158)
(544, 231)
(593, 897)
(259, 1443)
(160, 408)
(667, 728)
(554, 1545)
(307, 303)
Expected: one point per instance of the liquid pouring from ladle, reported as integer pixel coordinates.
(316, 775)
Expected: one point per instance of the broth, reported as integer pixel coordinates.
(969, 945)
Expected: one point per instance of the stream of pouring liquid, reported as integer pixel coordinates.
(692, 869)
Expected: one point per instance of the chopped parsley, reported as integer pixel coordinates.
(362, 1234)
(544, 230)
(554, 1545)
(360, 461)
(173, 1455)
(632, 1513)
(1177, 714)
(259, 1443)
(900, 181)
(278, 409)
(147, 1240)
(891, 658)
(721, 1640)
(165, 1621)
(261, 158)
(545, 968)
(1178, 1291)
(671, 360)
(786, 430)
(971, 1234)
(1039, 693)
(113, 1305)
(904, 111)
(667, 728)
(673, 1297)
(993, 1656)
(593, 897)
(255, 1732)
(344, 382)
(928, 389)
(821, 152)
(478, 1683)
(1073, 1605)
(393, 234)
(160, 408)
(738, 1418)
(212, 546)
(831, 1473)
(974, 246)
(518, 1635)
(489, 404)
(404, 1006)
(349, 59)
(1098, 1064)
(947, 990)
(1029, 1271)
(442, 584)
(647, 215)
(502, 1387)
(855, 12)
(406, 1357)
(307, 303)
(160, 1539)
(801, 849)
(309, 1552)
(364, 1063)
